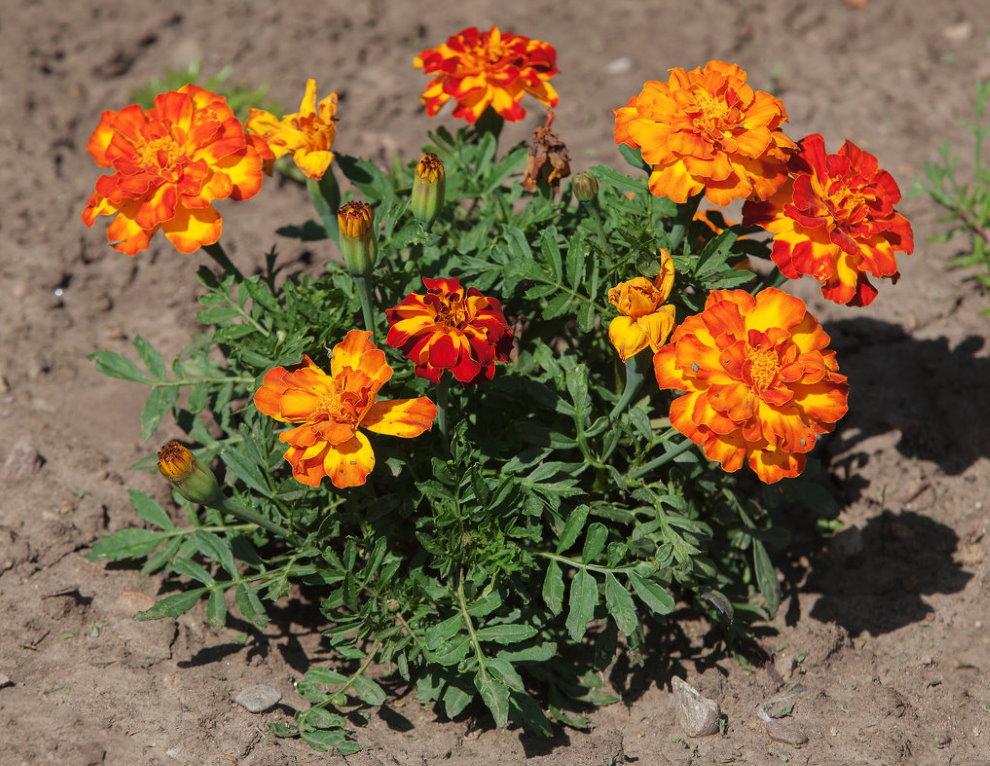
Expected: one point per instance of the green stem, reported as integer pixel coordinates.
(685, 215)
(470, 626)
(238, 511)
(443, 395)
(325, 196)
(367, 303)
(328, 699)
(644, 469)
(218, 254)
(582, 565)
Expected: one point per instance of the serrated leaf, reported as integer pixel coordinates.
(581, 603)
(495, 695)
(216, 609)
(553, 587)
(191, 569)
(652, 594)
(537, 653)
(324, 676)
(572, 528)
(218, 315)
(215, 548)
(320, 718)
(323, 740)
(455, 699)
(526, 711)
(149, 510)
(159, 401)
(453, 651)
(594, 542)
(126, 544)
(117, 366)
(506, 634)
(150, 357)
(620, 605)
(443, 631)
(766, 577)
(368, 691)
(245, 470)
(250, 605)
(172, 606)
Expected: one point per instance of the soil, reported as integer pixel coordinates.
(884, 626)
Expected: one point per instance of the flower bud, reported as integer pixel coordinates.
(358, 244)
(194, 481)
(428, 188)
(585, 186)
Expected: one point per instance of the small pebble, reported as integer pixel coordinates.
(943, 739)
(698, 715)
(5, 681)
(619, 65)
(258, 698)
(22, 461)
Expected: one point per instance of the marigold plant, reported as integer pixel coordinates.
(835, 221)
(553, 511)
(481, 69)
(170, 163)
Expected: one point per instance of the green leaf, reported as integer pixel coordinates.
(149, 510)
(506, 634)
(369, 691)
(581, 604)
(245, 470)
(324, 677)
(537, 653)
(320, 718)
(191, 569)
(218, 315)
(117, 366)
(553, 587)
(594, 542)
(572, 528)
(455, 699)
(216, 609)
(619, 180)
(766, 577)
(171, 606)
(215, 548)
(495, 696)
(250, 605)
(443, 631)
(620, 605)
(159, 401)
(126, 544)
(150, 357)
(652, 594)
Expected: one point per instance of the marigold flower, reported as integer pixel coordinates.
(836, 221)
(331, 408)
(760, 383)
(707, 130)
(481, 69)
(450, 328)
(307, 134)
(170, 163)
(643, 321)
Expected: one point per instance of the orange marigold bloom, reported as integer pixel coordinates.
(760, 383)
(481, 69)
(836, 221)
(707, 130)
(643, 321)
(307, 134)
(331, 408)
(169, 164)
(450, 328)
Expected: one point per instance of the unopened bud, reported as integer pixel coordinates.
(191, 479)
(428, 188)
(585, 186)
(358, 245)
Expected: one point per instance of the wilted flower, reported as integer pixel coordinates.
(358, 244)
(331, 408)
(707, 130)
(428, 188)
(548, 161)
(307, 135)
(450, 329)
(760, 383)
(836, 221)
(170, 163)
(482, 69)
(643, 321)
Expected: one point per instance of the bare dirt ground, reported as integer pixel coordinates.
(885, 626)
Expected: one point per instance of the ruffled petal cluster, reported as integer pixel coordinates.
(481, 69)
(707, 130)
(170, 163)
(450, 328)
(760, 382)
(642, 320)
(330, 409)
(836, 221)
(307, 134)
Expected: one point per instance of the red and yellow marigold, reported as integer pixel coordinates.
(642, 320)
(450, 328)
(170, 163)
(760, 383)
(836, 221)
(482, 69)
(707, 130)
(331, 408)
(307, 134)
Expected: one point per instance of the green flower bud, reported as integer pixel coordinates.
(358, 244)
(428, 188)
(585, 186)
(191, 479)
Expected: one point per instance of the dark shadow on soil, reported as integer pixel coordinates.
(892, 563)
(933, 394)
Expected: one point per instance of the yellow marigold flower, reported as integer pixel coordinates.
(760, 383)
(307, 134)
(707, 130)
(331, 408)
(170, 163)
(482, 69)
(643, 321)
